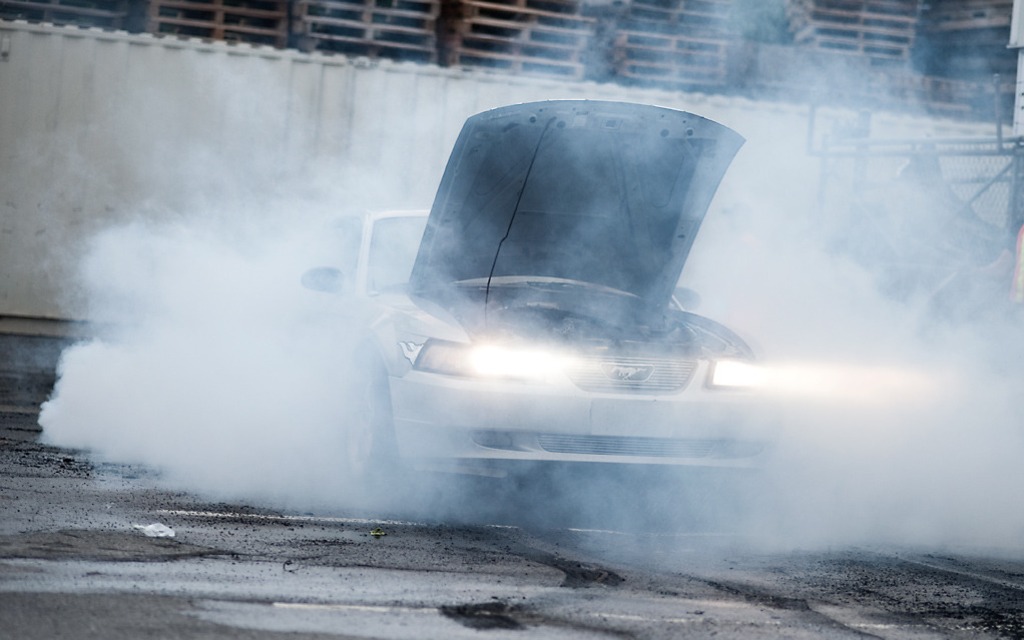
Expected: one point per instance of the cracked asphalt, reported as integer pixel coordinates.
(75, 563)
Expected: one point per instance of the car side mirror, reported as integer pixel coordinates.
(324, 279)
(686, 298)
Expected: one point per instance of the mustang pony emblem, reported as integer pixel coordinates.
(627, 373)
(410, 350)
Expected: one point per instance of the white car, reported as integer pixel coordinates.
(531, 314)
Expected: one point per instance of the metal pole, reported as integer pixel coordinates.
(1017, 42)
(998, 112)
(1016, 213)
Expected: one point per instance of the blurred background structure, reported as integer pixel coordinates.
(116, 112)
(942, 54)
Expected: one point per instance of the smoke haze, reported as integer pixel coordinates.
(224, 374)
(901, 428)
(221, 373)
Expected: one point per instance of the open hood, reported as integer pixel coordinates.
(603, 193)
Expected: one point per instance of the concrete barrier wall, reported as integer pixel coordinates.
(101, 128)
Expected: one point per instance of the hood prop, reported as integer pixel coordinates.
(512, 218)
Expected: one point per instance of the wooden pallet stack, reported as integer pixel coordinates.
(105, 14)
(673, 43)
(962, 43)
(397, 29)
(960, 15)
(531, 37)
(262, 22)
(881, 30)
(969, 34)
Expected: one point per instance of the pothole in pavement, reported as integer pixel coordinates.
(483, 616)
(761, 597)
(97, 545)
(577, 574)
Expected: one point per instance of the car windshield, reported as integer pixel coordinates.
(393, 247)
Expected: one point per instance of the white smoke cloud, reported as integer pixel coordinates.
(900, 427)
(229, 377)
(222, 371)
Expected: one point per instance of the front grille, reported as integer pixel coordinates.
(627, 446)
(630, 374)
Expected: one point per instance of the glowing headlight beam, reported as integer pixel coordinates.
(735, 374)
(830, 382)
(855, 383)
(489, 361)
(514, 363)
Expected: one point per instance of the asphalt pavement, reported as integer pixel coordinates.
(87, 551)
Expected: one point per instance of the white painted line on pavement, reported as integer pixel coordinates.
(281, 518)
(974, 575)
(363, 608)
(360, 608)
(295, 518)
(655, 534)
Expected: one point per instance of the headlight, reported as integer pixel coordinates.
(735, 374)
(505, 362)
(489, 361)
(449, 358)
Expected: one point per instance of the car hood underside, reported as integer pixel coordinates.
(606, 194)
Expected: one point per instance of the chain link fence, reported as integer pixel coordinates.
(925, 217)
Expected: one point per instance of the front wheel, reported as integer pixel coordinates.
(370, 454)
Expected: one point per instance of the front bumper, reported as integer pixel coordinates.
(439, 418)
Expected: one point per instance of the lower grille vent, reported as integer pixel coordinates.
(625, 446)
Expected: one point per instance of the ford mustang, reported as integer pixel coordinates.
(533, 314)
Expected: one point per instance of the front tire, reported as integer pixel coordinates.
(370, 455)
